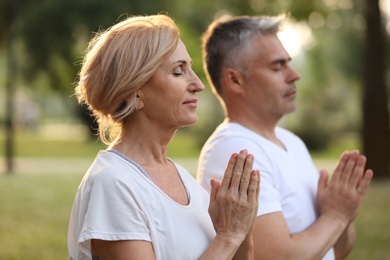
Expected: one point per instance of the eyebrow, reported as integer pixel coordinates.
(181, 62)
(281, 60)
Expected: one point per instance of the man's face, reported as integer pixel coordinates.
(270, 81)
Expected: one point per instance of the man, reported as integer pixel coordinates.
(301, 215)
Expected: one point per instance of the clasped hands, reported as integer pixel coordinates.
(341, 196)
(234, 200)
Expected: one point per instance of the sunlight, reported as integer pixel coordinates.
(295, 36)
(385, 7)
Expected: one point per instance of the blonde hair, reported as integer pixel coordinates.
(117, 63)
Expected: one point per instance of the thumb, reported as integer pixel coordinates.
(323, 181)
(214, 189)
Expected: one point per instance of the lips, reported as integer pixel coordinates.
(191, 103)
(291, 93)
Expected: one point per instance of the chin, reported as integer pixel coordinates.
(291, 109)
(190, 122)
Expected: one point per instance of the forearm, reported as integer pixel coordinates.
(329, 229)
(273, 240)
(345, 243)
(245, 251)
(221, 247)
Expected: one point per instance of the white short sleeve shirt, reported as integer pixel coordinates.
(117, 201)
(289, 177)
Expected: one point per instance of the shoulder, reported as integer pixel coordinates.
(228, 139)
(232, 137)
(287, 136)
(283, 132)
(109, 169)
(291, 140)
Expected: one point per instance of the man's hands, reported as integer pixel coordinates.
(234, 201)
(342, 197)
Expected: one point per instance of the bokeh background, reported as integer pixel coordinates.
(47, 141)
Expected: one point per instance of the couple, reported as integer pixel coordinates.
(136, 203)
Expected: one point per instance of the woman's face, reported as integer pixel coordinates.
(169, 97)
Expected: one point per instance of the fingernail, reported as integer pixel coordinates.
(244, 151)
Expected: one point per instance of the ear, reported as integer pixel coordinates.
(139, 100)
(234, 80)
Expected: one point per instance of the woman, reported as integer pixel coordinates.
(134, 202)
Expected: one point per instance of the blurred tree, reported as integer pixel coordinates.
(57, 31)
(376, 135)
(9, 25)
(55, 34)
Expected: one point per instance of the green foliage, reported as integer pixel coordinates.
(49, 37)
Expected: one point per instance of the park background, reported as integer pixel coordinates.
(340, 48)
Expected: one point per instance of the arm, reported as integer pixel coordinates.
(339, 202)
(245, 251)
(119, 250)
(345, 242)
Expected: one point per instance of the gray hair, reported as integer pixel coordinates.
(226, 39)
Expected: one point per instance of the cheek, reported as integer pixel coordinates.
(173, 105)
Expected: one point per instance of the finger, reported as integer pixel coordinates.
(362, 189)
(254, 186)
(246, 175)
(340, 166)
(323, 180)
(258, 185)
(350, 167)
(358, 171)
(244, 151)
(215, 185)
(238, 170)
(227, 177)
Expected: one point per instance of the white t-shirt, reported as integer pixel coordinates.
(116, 200)
(289, 177)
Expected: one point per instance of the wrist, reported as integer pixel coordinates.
(231, 240)
(340, 222)
(223, 246)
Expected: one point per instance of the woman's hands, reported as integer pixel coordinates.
(234, 201)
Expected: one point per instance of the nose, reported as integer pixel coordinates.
(293, 75)
(196, 84)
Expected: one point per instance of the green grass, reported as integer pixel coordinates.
(34, 215)
(30, 144)
(373, 225)
(35, 208)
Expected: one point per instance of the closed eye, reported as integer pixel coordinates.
(181, 66)
(177, 71)
(279, 64)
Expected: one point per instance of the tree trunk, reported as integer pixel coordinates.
(376, 134)
(9, 33)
